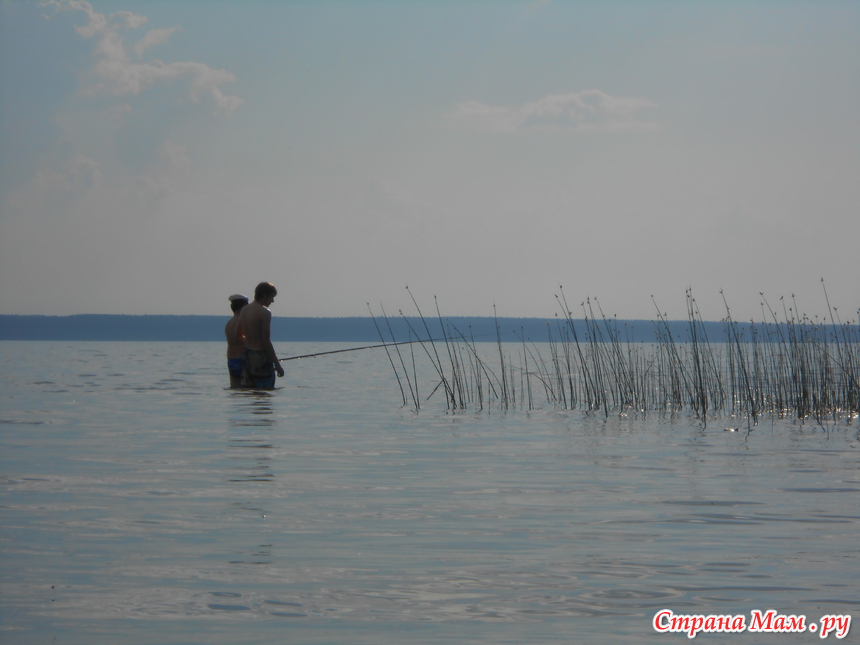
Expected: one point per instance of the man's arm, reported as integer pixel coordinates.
(266, 328)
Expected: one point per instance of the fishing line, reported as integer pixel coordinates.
(355, 349)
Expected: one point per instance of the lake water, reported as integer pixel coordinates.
(142, 502)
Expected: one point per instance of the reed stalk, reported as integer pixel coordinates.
(789, 364)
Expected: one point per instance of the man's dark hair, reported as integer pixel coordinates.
(264, 290)
(237, 304)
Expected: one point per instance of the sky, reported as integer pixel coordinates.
(158, 156)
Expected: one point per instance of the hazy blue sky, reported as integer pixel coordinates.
(159, 156)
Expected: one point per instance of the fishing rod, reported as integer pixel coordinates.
(355, 349)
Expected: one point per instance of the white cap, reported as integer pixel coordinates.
(237, 296)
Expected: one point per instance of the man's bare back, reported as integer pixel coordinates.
(235, 340)
(235, 337)
(256, 323)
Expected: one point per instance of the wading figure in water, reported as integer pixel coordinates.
(235, 340)
(259, 361)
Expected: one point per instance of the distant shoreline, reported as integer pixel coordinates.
(109, 327)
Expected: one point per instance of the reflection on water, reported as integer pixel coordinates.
(251, 422)
(134, 487)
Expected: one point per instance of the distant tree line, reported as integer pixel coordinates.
(106, 327)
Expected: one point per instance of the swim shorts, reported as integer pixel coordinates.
(234, 366)
(259, 371)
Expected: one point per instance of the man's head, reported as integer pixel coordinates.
(237, 301)
(264, 291)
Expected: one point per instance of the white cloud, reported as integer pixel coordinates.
(168, 176)
(119, 76)
(589, 110)
(130, 20)
(154, 37)
(62, 185)
(53, 184)
(76, 173)
(175, 155)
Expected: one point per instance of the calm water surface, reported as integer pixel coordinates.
(142, 502)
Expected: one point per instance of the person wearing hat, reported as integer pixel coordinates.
(235, 340)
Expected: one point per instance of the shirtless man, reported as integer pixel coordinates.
(259, 359)
(235, 340)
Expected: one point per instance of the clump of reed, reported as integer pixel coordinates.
(784, 365)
